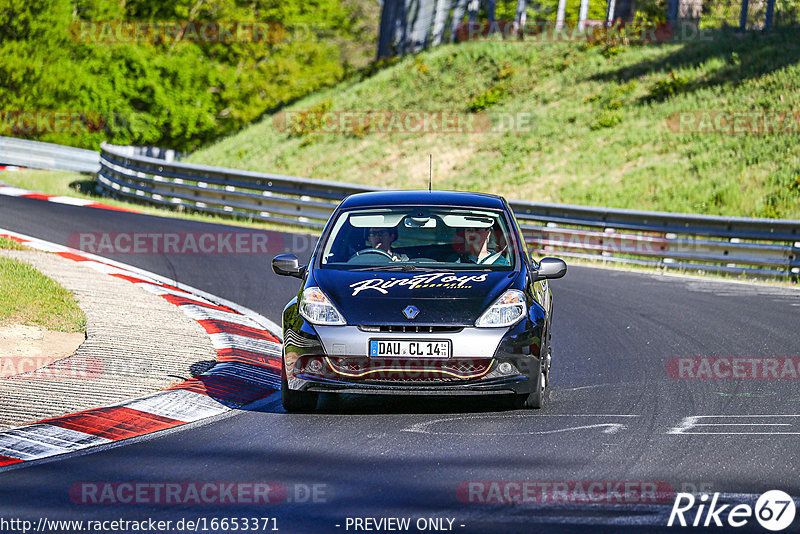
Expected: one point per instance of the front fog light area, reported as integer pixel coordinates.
(505, 368)
(505, 311)
(309, 364)
(502, 370)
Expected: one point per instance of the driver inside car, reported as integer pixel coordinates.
(477, 248)
(382, 239)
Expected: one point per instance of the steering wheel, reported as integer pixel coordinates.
(372, 251)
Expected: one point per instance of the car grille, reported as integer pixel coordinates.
(410, 370)
(410, 328)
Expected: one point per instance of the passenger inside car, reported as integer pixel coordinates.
(482, 246)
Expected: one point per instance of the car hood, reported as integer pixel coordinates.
(442, 297)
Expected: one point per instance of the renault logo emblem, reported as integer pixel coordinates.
(410, 312)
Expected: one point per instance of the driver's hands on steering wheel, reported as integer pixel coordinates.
(365, 251)
(373, 251)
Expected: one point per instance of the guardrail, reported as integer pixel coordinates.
(36, 155)
(760, 247)
(230, 192)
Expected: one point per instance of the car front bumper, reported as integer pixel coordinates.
(335, 359)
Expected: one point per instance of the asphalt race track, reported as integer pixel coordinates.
(614, 413)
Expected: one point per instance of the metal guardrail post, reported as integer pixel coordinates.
(522, 14)
(584, 12)
(611, 6)
(561, 14)
(794, 262)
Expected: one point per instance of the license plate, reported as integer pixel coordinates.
(396, 348)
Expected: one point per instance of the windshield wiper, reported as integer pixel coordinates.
(407, 267)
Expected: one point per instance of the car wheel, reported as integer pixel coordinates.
(548, 363)
(536, 398)
(296, 401)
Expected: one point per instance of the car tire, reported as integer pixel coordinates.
(536, 398)
(296, 401)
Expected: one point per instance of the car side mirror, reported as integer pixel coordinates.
(551, 268)
(287, 265)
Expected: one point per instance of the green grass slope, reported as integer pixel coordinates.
(599, 133)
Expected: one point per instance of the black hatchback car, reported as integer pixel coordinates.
(418, 292)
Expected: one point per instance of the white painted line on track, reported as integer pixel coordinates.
(584, 415)
(233, 341)
(203, 313)
(586, 387)
(66, 438)
(35, 441)
(688, 424)
(13, 191)
(40, 245)
(423, 428)
(106, 269)
(161, 290)
(72, 201)
(179, 404)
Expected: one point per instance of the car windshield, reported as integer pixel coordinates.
(418, 238)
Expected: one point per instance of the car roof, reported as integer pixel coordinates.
(423, 198)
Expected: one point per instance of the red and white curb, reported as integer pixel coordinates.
(248, 369)
(11, 191)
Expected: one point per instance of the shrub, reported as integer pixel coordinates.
(671, 85)
(607, 118)
(485, 100)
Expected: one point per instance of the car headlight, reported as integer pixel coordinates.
(317, 309)
(505, 311)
